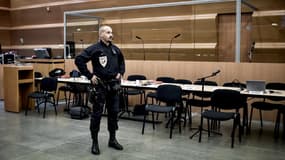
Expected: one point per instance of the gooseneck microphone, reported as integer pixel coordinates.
(216, 72)
(176, 36)
(137, 37)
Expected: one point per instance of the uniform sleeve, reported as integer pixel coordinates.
(122, 66)
(81, 62)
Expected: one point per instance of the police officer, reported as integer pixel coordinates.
(108, 68)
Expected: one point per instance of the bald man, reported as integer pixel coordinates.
(108, 67)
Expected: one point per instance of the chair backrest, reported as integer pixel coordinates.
(205, 94)
(38, 74)
(227, 99)
(74, 73)
(166, 79)
(57, 72)
(235, 84)
(135, 77)
(169, 94)
(275, 86)
(183, 81)
(208, 83)
(49, 84)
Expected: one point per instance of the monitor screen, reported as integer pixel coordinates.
(42, 53)
(9, 58)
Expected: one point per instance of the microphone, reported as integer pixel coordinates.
(215, 73)
(176, 36)
(138, 37)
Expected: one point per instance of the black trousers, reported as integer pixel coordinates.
(109, 98)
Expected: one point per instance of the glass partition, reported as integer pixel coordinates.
(183, 31)
(81, 31)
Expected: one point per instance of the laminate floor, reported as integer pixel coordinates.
(61, 138)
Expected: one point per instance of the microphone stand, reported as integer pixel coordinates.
(143, 49)
(168, 57)
(137, 37)
(202, 79)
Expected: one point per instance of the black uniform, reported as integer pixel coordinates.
(107, 62)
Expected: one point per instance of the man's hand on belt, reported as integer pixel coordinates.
(118, 76)
(94, 79)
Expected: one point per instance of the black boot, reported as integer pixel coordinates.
(95, 146)
(114, 143)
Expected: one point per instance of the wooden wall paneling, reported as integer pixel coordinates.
(134, 53)
(154, 32)
(269, 55)
(263, 31)
(4, 18)
(38, 36)
(157, 12)
(197, 54)
(205, 31)
(226, 38)
(175, 54)
(23, 3)
(28, 17)
(77, 5)
(5, 3)
(85, 37)
(146, 12)
(83, 34)
(5, 37)
(37, 16)
(267, 5)
(227, 7)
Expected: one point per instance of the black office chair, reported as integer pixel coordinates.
(58, 72)
(265, 105)
(281, 111)
(171, 95)
(38, 75)
(185, 95)
(46, 94)
(80, 91)
(152, 95)
(199, 99)
(130, 92)
(236, 84)
(224, 99)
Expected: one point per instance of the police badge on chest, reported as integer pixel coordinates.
(103, 61)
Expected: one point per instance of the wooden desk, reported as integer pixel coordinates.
(44, 65)
(18, 83)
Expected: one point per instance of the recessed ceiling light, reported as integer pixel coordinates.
(78, 29)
